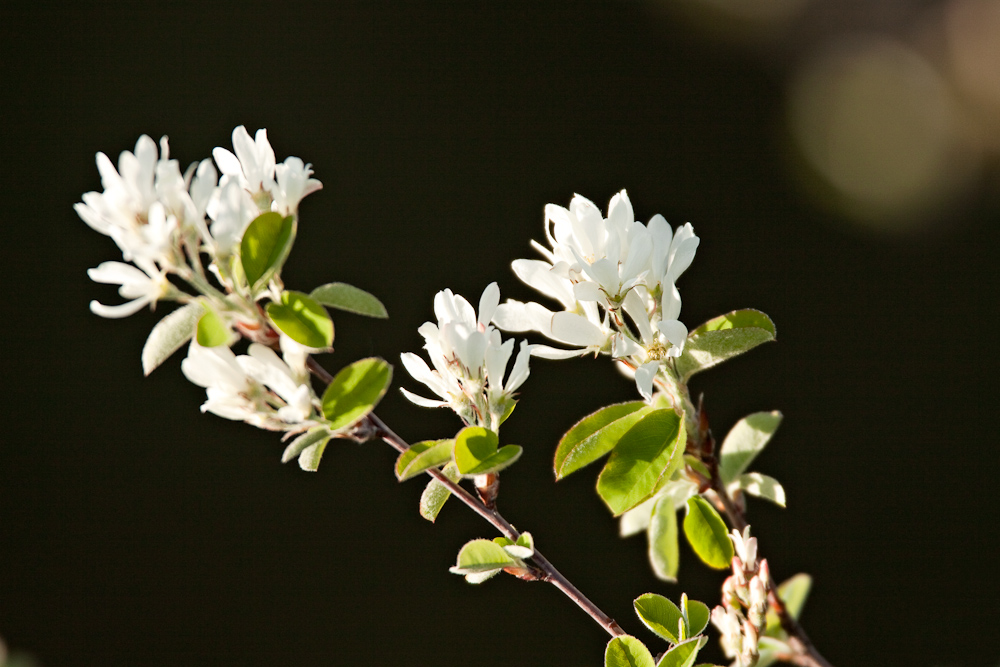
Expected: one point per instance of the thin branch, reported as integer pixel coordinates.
(804, 652)
(375, 427)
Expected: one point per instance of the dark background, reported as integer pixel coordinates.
(136, 531)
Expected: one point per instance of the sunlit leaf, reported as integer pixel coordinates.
(355, 391)
(307, 439)
(310, 457)
(745, 441)
(684, 654)
(169, 335)
(265, 246)
(302, 319)
(706, 532)
(642, 461)
(476, 452)
(722, 338)
(595, 435)
(762, 486)
(421, 456)
(211, 330)
(794, 592)
(349, 298)
(627, 651)
(664, 554)
(659, 615)
(436, 494)
(481, 557)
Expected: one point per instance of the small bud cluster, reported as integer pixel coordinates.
(742, 616)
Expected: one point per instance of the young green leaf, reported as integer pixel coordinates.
(664, 554)
(659, 615)
(762, 486)
(349, 298)
(310, 457)
(595, 435)
(211, 330)
(302, 319)
(421, 456)
(355, 391)
(697, 614)
(265, 246)
(722, 338)
(169, 335)
(745, 441)
(627, 651)
(436, 494)
(479, 560)
(476, 452)
(523, 548)
(684, 654)
(642, 461)
(706, 533)
(307, 439)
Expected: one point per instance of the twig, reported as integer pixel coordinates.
(804, 652)
(548, 572)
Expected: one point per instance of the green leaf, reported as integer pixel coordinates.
(347, 297)
(523, 548)
(436, 494)
(697, 613)
(479, 560)
(642, 461)
(211, 330)
(595, 435)
(476, 452)
(722, 338)
(762, 486)
(684, 654)
(627, 651)
(745, 441)
(421, 456)
(310, 457)
(770, 648)
(307, 439)
(302, 319)
(265, 246)
(659, 615)
(169, 335)
(355, 391)
(664, 554)
(706, 532)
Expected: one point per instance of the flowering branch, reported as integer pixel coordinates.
(803, 652)
(546, 571)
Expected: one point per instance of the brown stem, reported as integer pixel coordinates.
(804, 653)
(377, 428)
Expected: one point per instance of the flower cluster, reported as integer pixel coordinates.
(470, 361)
(602, 271)
(162, 220)
(742, 616)
(191, 225)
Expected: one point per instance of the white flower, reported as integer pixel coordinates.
(469, 358)
(231, 210)
(237, 386)
(293, 185)
(253, 165)
(142, 201)
(224, 379)
(143, 287)
(746, 548)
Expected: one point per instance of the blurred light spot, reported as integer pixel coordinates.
(973, 33)
(739, 20)
(878, 125)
